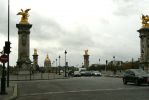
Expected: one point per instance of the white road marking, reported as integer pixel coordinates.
(77, 91)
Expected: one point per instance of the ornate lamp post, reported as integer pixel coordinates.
(106, 65)
(114, 65)
(65, 62)
(114, 58)
(8, 42)
(56, 65)
(59, 65)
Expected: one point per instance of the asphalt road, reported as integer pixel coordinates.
(82, 88)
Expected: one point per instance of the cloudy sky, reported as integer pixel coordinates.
(106, 28)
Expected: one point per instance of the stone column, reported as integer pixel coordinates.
(86, 60)
(144, 48)
(35, 61)
(24, 61)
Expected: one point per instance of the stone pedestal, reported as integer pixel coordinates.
(86, 61)
(144, 48)
(35, 62)
(24, 61)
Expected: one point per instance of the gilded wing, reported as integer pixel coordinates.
(19, 13)
(27, 10)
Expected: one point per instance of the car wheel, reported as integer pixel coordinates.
(124, 81)
(137, 82)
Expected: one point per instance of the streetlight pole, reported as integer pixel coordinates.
(114, 65)
(65, 62)
(132, 63)
(56, 65)
(114, 58)
(59, 65)
(8, 41)
(106, 65)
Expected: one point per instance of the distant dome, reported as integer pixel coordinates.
(35, 52)
(47, 60)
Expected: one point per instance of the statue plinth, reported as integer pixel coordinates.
(86, 60)
(144, 45)
(24, 61)
(35, 62)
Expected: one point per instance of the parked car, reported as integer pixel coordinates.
(77, 74)
(86, 73)
(96, 73)
(137, 76)
(71, 73)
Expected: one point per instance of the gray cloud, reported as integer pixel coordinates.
(104, 21)
(126, 7)
(112, 39)
(45, 28)
(77, 39)
(3, 20)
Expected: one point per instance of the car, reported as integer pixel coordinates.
(137, 76)
(86, 73)
(96, 73)
(70, 73)
(76, 74)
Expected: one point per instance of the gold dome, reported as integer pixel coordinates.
(35, 52)
(47, 60)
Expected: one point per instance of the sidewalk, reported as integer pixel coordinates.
(11, 92)
(110, 74)
(36, 76)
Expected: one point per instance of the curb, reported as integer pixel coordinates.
(15, 93)
(42, 79)
(114, 76)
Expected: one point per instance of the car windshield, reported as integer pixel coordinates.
(139, 71)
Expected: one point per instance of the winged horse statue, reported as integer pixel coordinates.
(145, 20)
(25, 15)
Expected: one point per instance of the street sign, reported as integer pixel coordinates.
(4, 58)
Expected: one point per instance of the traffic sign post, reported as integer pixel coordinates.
(3, 81)
(3, 59)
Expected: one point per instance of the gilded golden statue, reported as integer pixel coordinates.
(86, 52)
(145, 19)
(25, 15)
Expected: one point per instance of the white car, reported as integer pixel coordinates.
(96, 73)
(77, 74)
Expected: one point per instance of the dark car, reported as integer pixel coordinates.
(137, 76)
